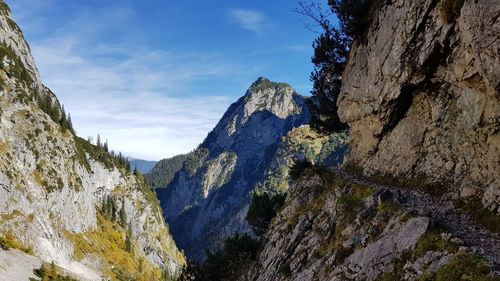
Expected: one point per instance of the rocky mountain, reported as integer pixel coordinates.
(62, 199)
(418, 196)
(251, 148)
(143, 166)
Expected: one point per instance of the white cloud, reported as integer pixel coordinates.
(141, 100)
(249, 19)
(137, 102)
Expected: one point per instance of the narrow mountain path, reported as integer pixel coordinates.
(478, 239)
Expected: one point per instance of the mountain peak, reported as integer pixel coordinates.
(263, 83)
(277, 98)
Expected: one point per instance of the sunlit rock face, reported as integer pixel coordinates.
(421, 95)
(207, 199)
(52, 184)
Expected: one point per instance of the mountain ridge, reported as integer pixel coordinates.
(207, 199)
(49, 176)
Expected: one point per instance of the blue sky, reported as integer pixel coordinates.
(155, 76)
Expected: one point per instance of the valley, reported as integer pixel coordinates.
(389, 170)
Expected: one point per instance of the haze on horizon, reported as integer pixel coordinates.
(155, 77)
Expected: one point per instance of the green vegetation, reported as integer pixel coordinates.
(354, 16)
(164, 171)
(9, 241)
(194, 160)
(50, 273)
(462, 267)
(298, 168)
(432, 241)
(264, 84)
(4, 8)
(99, 153)
(285, 270)
(476, 210)
(108, 242)
(263, 208)
(16, 67)
(227, 264)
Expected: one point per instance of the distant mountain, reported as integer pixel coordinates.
(163, 172)
(143, 166)
(251, 147)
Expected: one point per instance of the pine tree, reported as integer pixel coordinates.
(123, 215)
(128, 243)
(98, 142)
(113, 210)
(331, 51)
(330, 55)
(106, 145)
(70, 123)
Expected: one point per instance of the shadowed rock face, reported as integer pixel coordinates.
(207, 200)
(422, 95)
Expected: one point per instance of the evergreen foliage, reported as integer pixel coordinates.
(354, 15)
(263, 208)
(100, 154)
(128, 243)
(331, 51)
(163, 172)
(123, 215)
(227, 264)
(50, 273)
(298, 168)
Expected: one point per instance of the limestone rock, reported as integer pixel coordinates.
(422, 94)
(53, 184)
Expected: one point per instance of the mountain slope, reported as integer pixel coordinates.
(164, 170)
(207, 199)
(55, 188)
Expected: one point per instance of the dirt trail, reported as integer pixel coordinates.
(478, 239)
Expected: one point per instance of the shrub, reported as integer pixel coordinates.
(49, 272)
(298, 168)
(263, 208)
(227, 264)
(9, 241)
(354, 15)
(463, 266)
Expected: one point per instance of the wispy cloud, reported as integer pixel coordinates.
(140, 99)
(249, 19)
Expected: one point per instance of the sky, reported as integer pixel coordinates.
(155, 76)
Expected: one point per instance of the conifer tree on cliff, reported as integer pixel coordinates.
(331, 51)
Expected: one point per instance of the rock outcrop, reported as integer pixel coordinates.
(334, 227)
(54, 185)
(207, 199)
(421, 95)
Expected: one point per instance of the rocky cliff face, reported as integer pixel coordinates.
(334, 227)
(53, 185)
(422, 95)
(207, 200)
